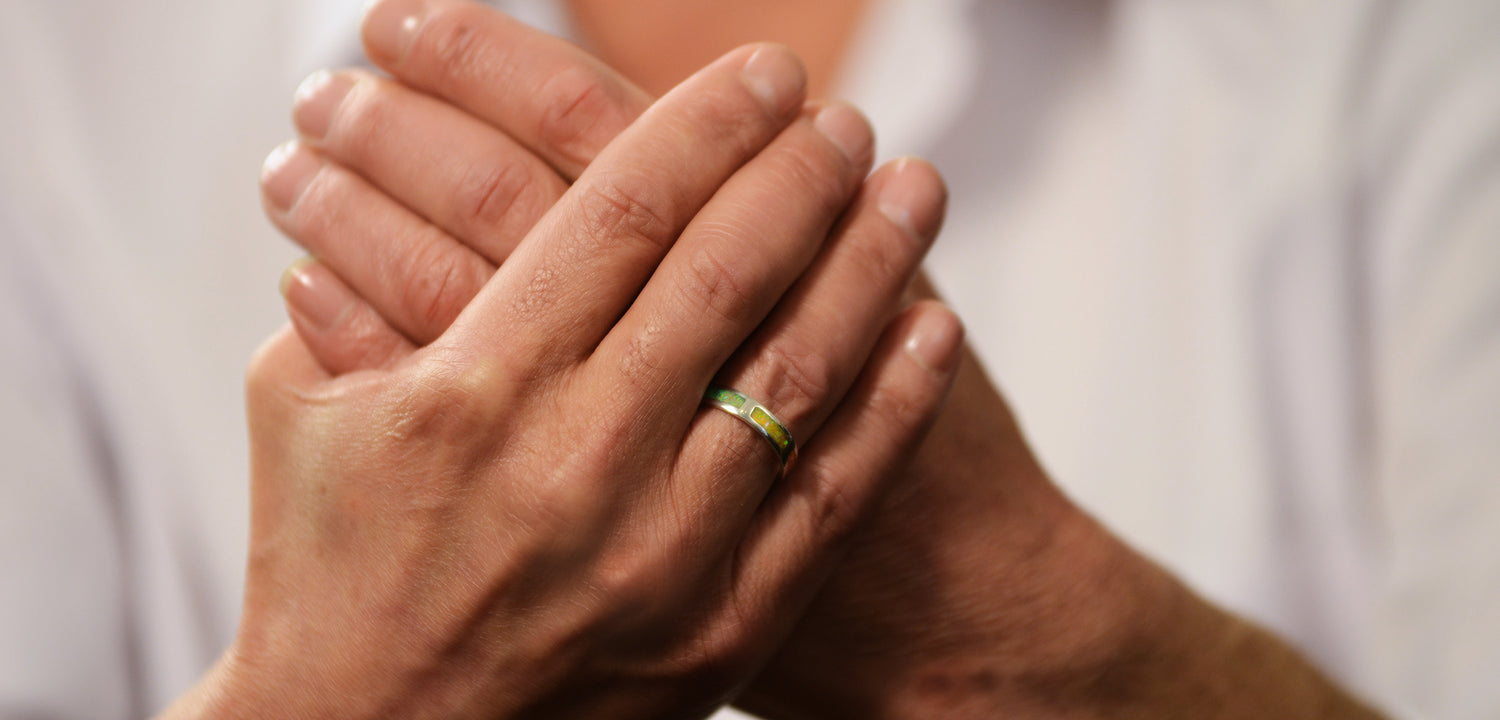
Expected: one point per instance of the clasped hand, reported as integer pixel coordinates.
(483, 484)
(521, 508)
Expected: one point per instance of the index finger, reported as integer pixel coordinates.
(585, 261)
(549, 95)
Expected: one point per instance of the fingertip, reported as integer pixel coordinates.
(775, 76)
(341, 331)
(317, 101)
(387, 28)
(849, 130)
(913, 196)
(314, 292)
(935, 338)
(286, 175)
(290, 275)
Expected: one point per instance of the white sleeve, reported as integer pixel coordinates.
(64, 644)
(1434, 210)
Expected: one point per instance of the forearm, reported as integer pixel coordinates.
(1190, 659)
(1218, 665)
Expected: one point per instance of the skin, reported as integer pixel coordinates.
(531, 515)
(978, 591)
(629, 36)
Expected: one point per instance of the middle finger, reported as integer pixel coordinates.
(588, 257)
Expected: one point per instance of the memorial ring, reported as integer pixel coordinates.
(754, 414)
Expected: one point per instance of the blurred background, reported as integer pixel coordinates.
(1236, 264)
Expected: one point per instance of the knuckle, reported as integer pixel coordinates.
(642, 365)
(544, 290)
(365, 342)
(443, 399)
(565, 501)
(834, 508)
(373, 352)
(366, 121)
(899, 405)
(578, 108)
(632, 587)
(316, 217)
(453, 41)
(489, 192)
(813, 175)
(887, 258)
(441, 282)
(630, 578)
(740, 448)
(623, 207)
(738, 122)
(796, 378)
(716, 285)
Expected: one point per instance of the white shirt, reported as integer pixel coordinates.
(1236, 265)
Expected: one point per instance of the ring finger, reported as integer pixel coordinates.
(807, 354)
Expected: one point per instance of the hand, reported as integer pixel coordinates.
(532, 515)
(979, 590)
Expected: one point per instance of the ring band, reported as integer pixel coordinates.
(757, 416)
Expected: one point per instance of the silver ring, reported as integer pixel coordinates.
(759, 417)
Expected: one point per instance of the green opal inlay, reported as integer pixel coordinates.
(756, 414)
(728, 397)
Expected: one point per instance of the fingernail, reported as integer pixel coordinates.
(315, 293)
(776, 77)
(318, 100)
(913, 197)
(936, 340)
(848, 130)
(287, 173)
(389, 26)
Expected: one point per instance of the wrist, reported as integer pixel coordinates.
(1127, 640)
(1084, 623)
(237, 688)
(1029, 614)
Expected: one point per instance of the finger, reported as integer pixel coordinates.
(340, 329)
(548, 94)
(590, 255)
(804, 358)
(460, 174)
(803, 528)
(735, 261)
(415, 275)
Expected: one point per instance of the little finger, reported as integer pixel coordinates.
(803, 359)
(588, 258)
(339, 328)
(803, 528)
(808, 352)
